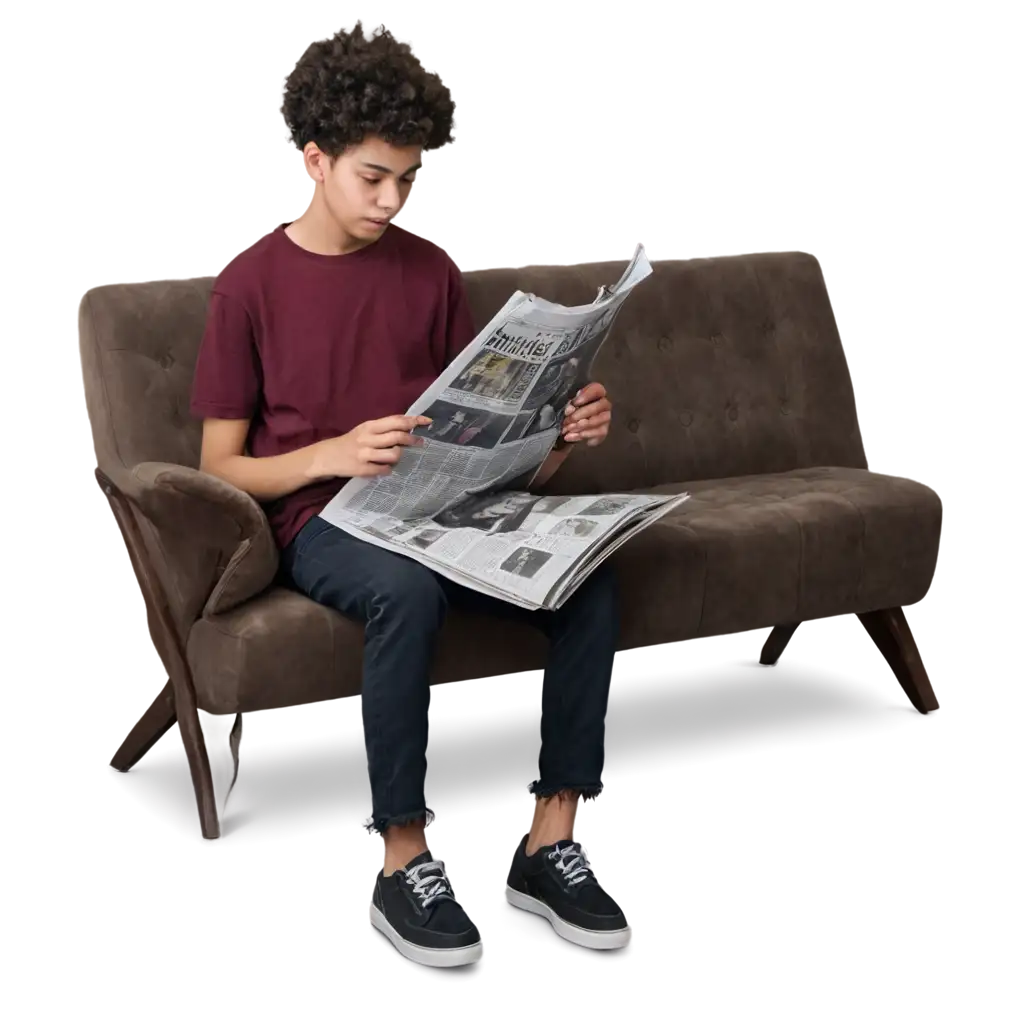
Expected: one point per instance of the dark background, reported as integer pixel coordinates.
(141, 141)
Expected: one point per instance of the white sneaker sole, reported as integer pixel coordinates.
(424, 954)
(573, 932)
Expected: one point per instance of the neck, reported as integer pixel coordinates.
(317, 231)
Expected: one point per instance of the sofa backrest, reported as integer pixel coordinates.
(138, 344)
(717, 367)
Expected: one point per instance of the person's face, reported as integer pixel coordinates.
(367, 185)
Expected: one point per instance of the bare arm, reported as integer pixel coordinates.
(223, 455)
(370, 449)
(549, 466)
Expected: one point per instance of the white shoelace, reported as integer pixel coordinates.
(427, 885)
(572, 862)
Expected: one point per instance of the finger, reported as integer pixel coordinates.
(390, 439)
(393, 437)
(591, 421)
(590, 413)
(579, 435)
(390, 423)
(586, 425)
(387, 456)
(591, 409)
(590, 393)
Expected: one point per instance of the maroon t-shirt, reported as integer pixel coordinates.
(308, 345)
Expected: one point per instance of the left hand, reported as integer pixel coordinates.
(588, 415)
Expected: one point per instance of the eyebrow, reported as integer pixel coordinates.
(387, 170)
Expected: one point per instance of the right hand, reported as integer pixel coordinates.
(371, 449)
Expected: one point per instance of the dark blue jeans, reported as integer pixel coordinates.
(402, 604)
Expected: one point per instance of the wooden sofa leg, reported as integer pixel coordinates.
(150, 727)
(888, 628)
(169, 647)
(199, 766)
(779, 642)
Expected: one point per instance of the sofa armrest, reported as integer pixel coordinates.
(219, 532)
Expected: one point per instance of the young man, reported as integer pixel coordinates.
(317, 337)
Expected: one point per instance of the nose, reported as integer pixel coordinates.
(390, 198)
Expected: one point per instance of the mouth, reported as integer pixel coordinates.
(381, 223)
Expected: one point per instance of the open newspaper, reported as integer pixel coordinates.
(460, 504)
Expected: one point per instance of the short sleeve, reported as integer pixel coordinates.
(226, 383)
(459, 328)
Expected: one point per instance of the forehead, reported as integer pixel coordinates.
(374, 150)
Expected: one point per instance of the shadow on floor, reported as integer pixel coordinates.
(825, 728)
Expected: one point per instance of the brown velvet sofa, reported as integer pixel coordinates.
(729, 381)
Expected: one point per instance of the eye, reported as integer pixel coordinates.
(408, 181)
(372, 181)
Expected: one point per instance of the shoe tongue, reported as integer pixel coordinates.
(586, 877)
(420, 858)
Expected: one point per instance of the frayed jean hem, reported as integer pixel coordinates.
(544, 791)
(378, 826)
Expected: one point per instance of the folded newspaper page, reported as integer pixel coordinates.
(460, 504)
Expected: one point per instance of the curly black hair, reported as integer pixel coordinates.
(348, 87)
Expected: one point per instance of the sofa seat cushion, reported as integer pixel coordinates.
(282, 648)
(753, 551)
(743, 553)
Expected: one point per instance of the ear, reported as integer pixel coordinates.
(316, 162)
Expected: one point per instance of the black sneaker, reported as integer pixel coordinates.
(558, 883)
(415, 907)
